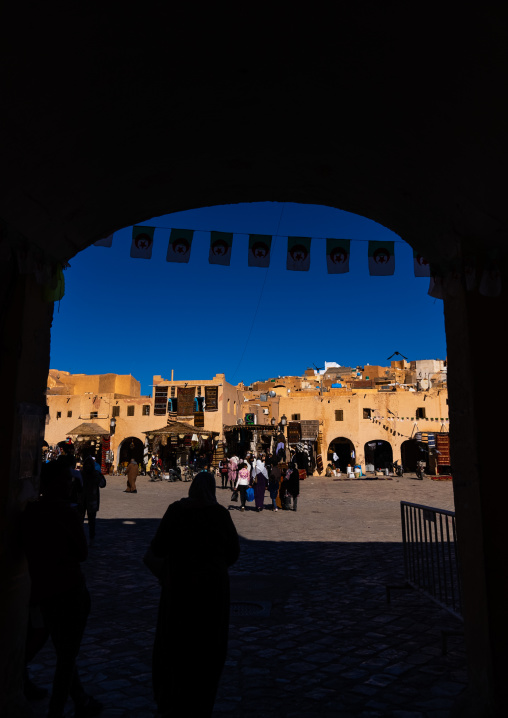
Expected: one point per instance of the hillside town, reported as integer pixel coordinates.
(350, 421)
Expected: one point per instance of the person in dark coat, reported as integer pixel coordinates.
(132, 475)
(293, 484)
(274, 483)
(55, 546)
(197, 542)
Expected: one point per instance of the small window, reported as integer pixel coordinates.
(69, 414)
(420, 412)
(367, 413)
(116, 411)
(58, 414)
(229, 407)
(199, 391)
(130, 411)
(146, 409)
(173, 391)
(295, 417)
(339, 414)
(93, 415)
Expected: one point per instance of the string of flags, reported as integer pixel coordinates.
(381, 258)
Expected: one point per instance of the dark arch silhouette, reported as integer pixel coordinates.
(344, 448)
(409, 454)
(418, 145)
(131, 448)
(379, 453)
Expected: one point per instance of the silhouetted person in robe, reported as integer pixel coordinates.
(197, 542)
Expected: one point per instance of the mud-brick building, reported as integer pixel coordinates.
(115, 403)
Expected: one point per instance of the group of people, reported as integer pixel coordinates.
(55, 545)
(262, 474)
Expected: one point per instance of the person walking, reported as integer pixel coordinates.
(274, 484)
(223, 470)
(91, 497)
(293, 485)
(132, 474)
(242, 483)
(232, 471)
(260, 482)
(192, 632)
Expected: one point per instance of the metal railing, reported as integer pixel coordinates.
(429, 539)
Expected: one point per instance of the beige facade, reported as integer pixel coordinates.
(370, 415)
(388, 413)
(75, 398)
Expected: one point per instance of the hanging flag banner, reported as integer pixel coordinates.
(381, 259)
(298, 259)
(337, 255)
(259, 250)
(179, 247)
(421, 265)
(220, 248)
(106, 242)
(142, 242)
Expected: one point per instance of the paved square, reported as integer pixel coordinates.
(326, 642)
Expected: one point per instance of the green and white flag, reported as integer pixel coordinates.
(179, 246)
(381, 259)
(221, 244)
(259, 250)
(106, 242)
(298, 259)
(142, 242)
(421, 265)
(337, 255)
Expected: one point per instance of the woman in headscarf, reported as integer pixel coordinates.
(232, 470)
(197, 542)
(274, 484)
(260, 481)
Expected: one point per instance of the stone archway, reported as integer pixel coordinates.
(424, 162)
(409, 455)
(344, 449)
(378, 454)
(131, 448)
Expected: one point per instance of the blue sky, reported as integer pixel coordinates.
(146, 317)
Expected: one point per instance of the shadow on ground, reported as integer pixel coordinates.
(325, 643)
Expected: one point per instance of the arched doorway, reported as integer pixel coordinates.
(131, 448)
(409, 454)
(378, 455)
(345, 450)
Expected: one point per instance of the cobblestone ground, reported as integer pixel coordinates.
(329, 644)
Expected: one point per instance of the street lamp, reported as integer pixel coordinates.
(283, 420)
(272, 421)
(112, 425)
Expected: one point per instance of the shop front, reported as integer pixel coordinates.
(90, 439)
(242, 438)
(178, 444)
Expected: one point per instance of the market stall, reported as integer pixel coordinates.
(241, 438)
(91, 439)
(180, 444)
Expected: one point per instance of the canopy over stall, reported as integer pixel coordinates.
(88, 429)
(159, 438)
